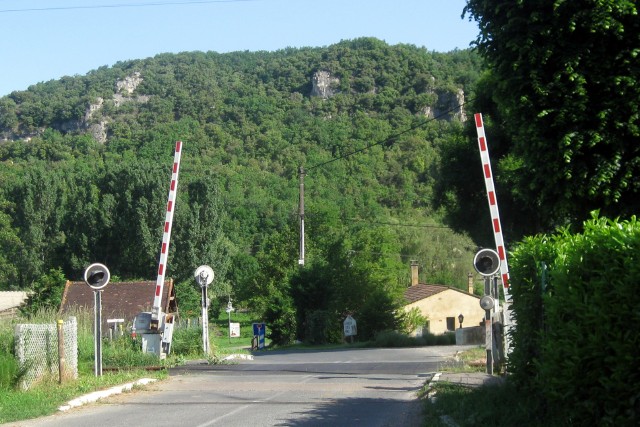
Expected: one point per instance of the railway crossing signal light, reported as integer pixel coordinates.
(486, 262)
(97, 276)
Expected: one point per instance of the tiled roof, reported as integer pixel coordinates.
(421, 291)
(119, 300)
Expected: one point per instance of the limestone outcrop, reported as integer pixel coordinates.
(450, 106)
(324, 85)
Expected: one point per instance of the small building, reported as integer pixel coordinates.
(119, 300)
(10, 301)
(442, 305)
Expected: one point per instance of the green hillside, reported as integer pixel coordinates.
(87, 163)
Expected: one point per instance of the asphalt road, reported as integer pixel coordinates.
(359, 387)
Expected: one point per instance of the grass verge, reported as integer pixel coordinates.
(472, 360)
(46, 397)
(496, 405)
(499, 405)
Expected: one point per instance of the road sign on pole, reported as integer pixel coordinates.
(350, 327)
(259, 332)
(234, 330)
(229, 309)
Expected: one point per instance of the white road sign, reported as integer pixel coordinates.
(350, 327)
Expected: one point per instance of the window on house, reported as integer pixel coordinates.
(451, 323)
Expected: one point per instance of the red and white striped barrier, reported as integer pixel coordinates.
(164, 251)
(493, 203)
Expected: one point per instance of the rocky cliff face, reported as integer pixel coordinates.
(124, 90)
(324, 85)
(450, 106)
(129, 84)
(92, 121)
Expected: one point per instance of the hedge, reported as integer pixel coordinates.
(576, 301)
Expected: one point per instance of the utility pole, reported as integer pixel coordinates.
(301, 213)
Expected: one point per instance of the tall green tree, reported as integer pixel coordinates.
(365, 272)
(40, 199)
(10, 244)
(134, 200)
(85, 223)
(270, 293)
(198, 234)
(566, 87)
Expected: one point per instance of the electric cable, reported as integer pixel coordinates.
(390, 140)
(121, 5)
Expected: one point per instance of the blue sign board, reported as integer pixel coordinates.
(259, 331)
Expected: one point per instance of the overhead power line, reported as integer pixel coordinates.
(397, 224)
(121, 5)
(390, 140)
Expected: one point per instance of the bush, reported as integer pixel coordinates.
(412, 320)
(528, 278)
(46, 295)
(379, 313)
(322, 327)
(394, 339)
(124, 352)
(577, 336)
(8, 364)
(448, 338)
(280, 317)
(187, 342)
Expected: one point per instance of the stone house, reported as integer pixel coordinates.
(442, 305)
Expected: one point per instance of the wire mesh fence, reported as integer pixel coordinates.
(37, 351)
(189, 323)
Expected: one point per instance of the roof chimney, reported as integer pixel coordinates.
(470, 283)
(414, 273)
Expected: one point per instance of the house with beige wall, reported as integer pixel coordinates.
(442, 305)
(10, 303)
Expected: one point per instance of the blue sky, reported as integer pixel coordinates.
(41, 40)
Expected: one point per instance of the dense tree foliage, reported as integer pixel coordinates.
(564, 81)
(87, 162)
